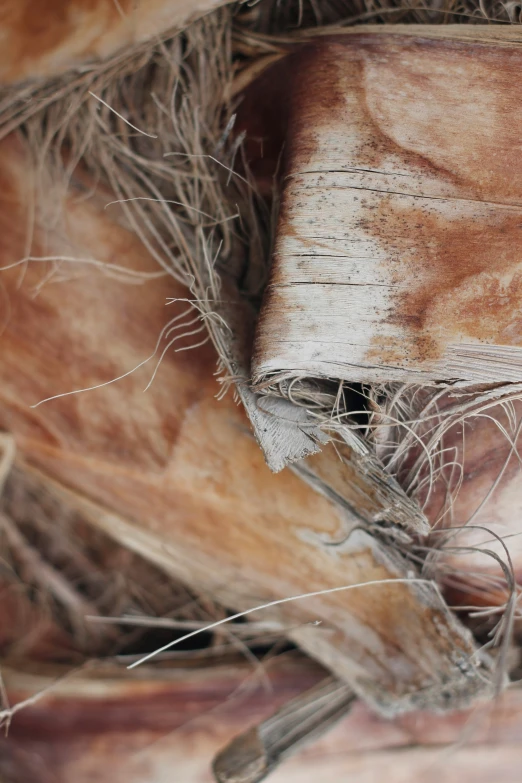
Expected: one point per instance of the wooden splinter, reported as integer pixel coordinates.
(253, 755)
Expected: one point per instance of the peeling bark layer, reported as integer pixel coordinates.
(397, 254)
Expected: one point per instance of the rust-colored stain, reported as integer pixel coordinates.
(36, 30)
(328, 72)
(242, 540)
(112, 446)
(451, 233)
(270, 110)
(461, 278)
(48, 350)
(43, 38)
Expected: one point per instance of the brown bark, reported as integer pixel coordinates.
(52, 36)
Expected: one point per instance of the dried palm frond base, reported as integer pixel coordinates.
(175, 474)
(136, 504)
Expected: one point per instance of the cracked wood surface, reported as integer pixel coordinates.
(398, 248)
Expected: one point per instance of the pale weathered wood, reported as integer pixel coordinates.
(176, 475)
(394, 100)
(398, 245)
(346, 471)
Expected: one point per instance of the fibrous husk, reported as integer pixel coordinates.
(174, 473)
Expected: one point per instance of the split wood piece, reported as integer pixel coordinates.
(76, 33)
(348, 473)
(255, 754)
(176, 475)
(398, 246)
(104, 724)
(284, 432)
(396, 644)
(358, 483)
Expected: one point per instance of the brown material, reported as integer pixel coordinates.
(45, 38)
(397, 254)
(358, 483)
(168, 722)
(27, 631)
(107, 724)
(175, 474)
(480, 491)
